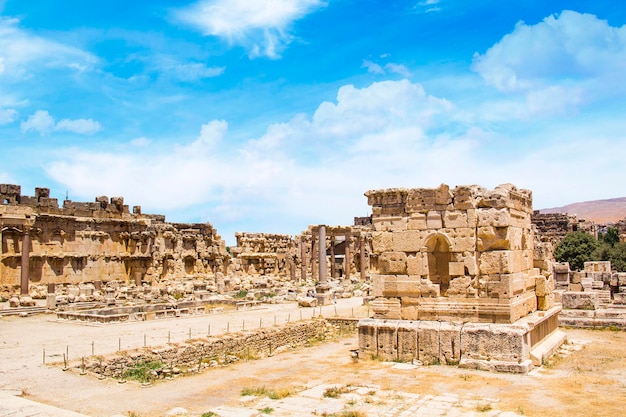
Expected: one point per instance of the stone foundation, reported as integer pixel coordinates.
(494, 347)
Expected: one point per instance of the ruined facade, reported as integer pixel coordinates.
(98, 242)
(552, 227)
(457, 256)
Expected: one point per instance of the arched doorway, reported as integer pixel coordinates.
(438, 250)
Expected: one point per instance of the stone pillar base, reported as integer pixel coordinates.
(51, 302)
(495, 347)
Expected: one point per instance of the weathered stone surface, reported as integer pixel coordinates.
(393, 263)
(580, 300)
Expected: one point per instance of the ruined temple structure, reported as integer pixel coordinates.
(552, 227)
(264, 254)
(593, 298)
(99, 242)
(345, 252)
(457, 281)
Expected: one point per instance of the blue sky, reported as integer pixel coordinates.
(270, 115)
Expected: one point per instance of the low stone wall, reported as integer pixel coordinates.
(495, 347)
(198, 354)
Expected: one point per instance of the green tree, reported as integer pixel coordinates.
(611, 236)
(576, 248)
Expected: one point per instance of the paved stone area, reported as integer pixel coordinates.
(369, 400)
(12, 405)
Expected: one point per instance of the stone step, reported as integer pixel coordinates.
(16, 311)
(544, 349)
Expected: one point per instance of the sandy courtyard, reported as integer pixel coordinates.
(586, 378)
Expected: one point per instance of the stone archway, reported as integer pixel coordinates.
(438, 250)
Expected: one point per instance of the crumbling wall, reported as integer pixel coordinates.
(99, 242)
(200, 353)
(464, 254)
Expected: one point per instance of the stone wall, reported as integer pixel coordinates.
(202, 353)
(99, 242)
(552, 227)
(462, 254)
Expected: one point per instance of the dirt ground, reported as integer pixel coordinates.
(586, 378)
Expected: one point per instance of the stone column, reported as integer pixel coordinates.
(25, 262)
(322, 254)
(333, 273)
(323, 289)
(302, 260)
(314, 246)
(346, 261)
(362, 257)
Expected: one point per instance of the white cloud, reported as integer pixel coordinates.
(42, 122)
(141, 141)
(80, 126)
(187, 72)
(566, 49)
(22, 53)
(7, 116)
(261, 26)
(393, 68)
(373, 67)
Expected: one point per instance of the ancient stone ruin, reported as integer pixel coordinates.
(592, 298)
(456, 280)
(46, 248)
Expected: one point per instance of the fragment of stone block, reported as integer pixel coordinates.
(392, 263)
(580, 300)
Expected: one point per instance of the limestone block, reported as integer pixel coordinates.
(378, 283)
(619, 298)
(463, 240)
(494, 342)
(403, 287)
(407, 340)
(392, 263)
(543, 285)
(456, 269)
(577, 277)
(598, 266)
(499, 286)
(546, 302)
(462, 287)
(500, 262)
(415, 264)
(575, 287)
(408, 312)
(490, 238)
(471, 265)
(450, 342)
(417, 221)
(472, 218)
(561, 268)
(580, 300)
(367, 335)
(498, 217)
(454, 219)
(621, 278)
(517, 238)
(388, 340)
(386, 308)
(390, 285)
(428, 342)
(428, 289)
(433, 220)
(382, 242)
(408, 241)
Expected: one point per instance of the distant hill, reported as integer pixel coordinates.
(599, 211)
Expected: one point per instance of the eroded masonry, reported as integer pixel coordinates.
(454, 275)
(457, 281)
(97, 243)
